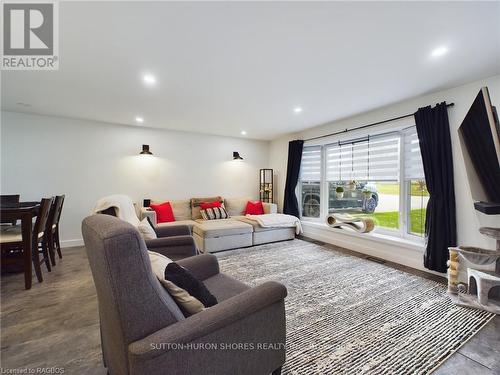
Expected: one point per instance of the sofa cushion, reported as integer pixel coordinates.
(221, 228)
(236, 206)
(270, 208)
(195, 205)
(180, 208)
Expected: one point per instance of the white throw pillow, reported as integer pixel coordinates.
(158, 264)
(146, 230)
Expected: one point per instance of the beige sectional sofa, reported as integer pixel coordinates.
(217, 235)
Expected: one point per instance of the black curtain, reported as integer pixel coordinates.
(435, 146)
(290, 204)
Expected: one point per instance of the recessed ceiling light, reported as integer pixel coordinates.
(297, 109)
(439, 51)
(139, 119)
(149, 79)
(243, 132)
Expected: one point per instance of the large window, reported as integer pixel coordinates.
(310, 178)
(374, 176)
(362, 177)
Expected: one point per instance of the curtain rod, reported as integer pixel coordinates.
(367, 126)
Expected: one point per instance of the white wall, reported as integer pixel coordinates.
(468, 220)
(43, 156)
(88, 160)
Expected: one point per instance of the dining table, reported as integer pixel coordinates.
(25, 212)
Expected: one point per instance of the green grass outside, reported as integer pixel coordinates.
(390, 220)
(390, 189)
(418, 221)
(393, 189)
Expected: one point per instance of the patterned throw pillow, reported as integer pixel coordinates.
(214, 213)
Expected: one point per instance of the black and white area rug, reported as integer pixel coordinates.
(347, 315)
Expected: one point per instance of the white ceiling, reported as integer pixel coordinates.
(226, 67)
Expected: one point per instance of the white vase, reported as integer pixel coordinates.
(340, 195)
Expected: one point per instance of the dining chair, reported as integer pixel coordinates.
(56, 228)
(51, 237)
(11, 199)
(11, 241)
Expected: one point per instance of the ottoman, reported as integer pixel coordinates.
(263, 235)
(217, 235)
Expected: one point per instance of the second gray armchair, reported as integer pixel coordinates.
(175, 242)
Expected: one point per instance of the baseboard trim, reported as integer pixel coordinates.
(393, 253)
(72, 243)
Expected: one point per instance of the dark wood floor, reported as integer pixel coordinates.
(55, 325)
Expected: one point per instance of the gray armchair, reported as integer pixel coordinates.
(175, 242)
(144, 332)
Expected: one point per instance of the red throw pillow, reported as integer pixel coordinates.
(254, 208)
(164, 213)
(206, 205)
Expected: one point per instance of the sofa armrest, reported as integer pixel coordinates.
(201, 266)
(270, 208)
(173, 230)
(208, 321)
(173, 246)
(145, 212)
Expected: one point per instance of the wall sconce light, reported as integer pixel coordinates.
(145, 150)
(236, 156)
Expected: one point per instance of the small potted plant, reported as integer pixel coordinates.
(367, 193)
(339, 192)
(351, 185)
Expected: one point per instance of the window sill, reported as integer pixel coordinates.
(378, 237)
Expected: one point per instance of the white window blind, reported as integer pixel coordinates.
(414, 169)
(310, 169)
(373, 159)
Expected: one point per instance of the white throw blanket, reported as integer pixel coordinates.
(277, 221)
(124, 206)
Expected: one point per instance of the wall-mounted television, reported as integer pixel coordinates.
(480, 139)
